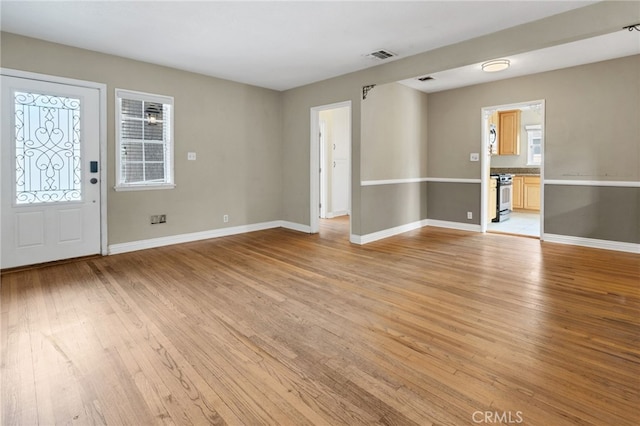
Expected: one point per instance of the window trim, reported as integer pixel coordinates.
(533, 131)
(148, 97)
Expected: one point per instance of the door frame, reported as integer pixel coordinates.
(485, 159)
(314, 162)
(102, 93)
(322, 144)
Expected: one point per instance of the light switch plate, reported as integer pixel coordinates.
(191, 156)
(474, 156)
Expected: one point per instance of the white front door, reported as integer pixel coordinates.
(50, 148)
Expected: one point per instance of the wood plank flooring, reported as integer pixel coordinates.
(432, 327)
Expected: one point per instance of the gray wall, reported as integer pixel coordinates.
(394, 133)
(451, 201)
(444, 160)
(603, 213)
(255, 165)
(592, 133)
(591, 130)
(235, 129)
(388, 206)
(393, 146)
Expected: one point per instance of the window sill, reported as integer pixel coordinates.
(144, 187)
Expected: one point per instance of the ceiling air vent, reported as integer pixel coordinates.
(426, 78)
(381, 54)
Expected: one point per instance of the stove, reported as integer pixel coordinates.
(503, 200)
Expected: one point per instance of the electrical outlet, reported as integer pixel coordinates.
(191, 156)
(158, 218)
(225, 218)
(474, 156)
(469, 215)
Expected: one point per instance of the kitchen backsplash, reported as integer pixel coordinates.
(516, 170)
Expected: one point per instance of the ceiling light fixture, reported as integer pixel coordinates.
(496, 65)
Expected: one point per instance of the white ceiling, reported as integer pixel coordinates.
(273, 44)
(609, 46)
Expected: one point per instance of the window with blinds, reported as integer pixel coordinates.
(534, 147)
(144, 131)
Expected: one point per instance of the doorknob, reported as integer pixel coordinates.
(94, 181)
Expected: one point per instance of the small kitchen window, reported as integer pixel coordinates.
(144, 141)
(534, 146)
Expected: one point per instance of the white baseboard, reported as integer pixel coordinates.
(339, 213)
(356, 239)
(295, 226)
(454, 225)
(591, 242)
(386, 233)
(203, 235)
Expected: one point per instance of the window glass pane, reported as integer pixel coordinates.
(154, 132)
(48, 163)
(131, 108)
(154, 152)
(154, 109)
(132, 151)
(154, 171)
(534, 152)
(131, 129)
(132, 172)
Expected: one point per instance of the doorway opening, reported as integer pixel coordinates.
(513, 168)
(330, 165)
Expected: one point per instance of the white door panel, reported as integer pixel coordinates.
(340, 188)
(68, 221)
(50, 208)
(29, 229)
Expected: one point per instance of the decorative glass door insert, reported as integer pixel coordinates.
(48, 149)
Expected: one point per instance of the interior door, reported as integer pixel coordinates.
(50, 201)
(340, 162)
(340, 187)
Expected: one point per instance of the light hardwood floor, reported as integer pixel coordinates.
(433, 326)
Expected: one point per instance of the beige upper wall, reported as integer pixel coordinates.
(235, 129)
(592, 130)
(256, 164)
(597, 19)
(394, 133)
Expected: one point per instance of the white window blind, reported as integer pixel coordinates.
(144, 142)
